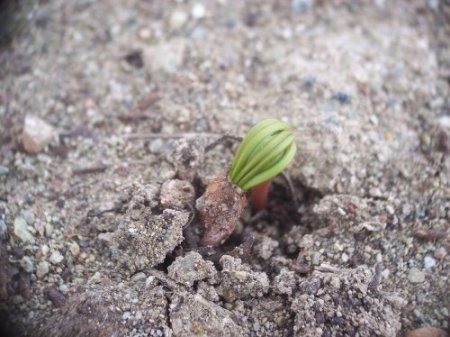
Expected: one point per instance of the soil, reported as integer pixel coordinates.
(126, 102)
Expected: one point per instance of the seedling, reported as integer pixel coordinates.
(266, 151)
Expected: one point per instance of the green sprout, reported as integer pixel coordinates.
(267, 150)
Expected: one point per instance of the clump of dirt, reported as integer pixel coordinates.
(343, 302)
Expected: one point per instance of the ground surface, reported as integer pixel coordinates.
(93, 245)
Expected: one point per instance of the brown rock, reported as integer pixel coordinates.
(427, 332)
(36, 134)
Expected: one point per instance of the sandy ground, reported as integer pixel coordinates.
(129, 95)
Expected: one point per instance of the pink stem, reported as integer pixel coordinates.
(260, 195)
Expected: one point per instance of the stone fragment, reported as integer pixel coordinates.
(178, 19)
(198, 11)
(21, 230)
(166, 57)
(27, 264)
(74, 248)
(36, 134)
(415, 275)
(56, 257)
(42, 269)
(55, 296)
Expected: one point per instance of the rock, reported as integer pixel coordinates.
(42, 269)
(21, 230)
(239, 281)
(145, 33)
(96, 278)
(198, 11)
(48, 228)
(178, 19)
(27, 264)
(3, 230)
(74, 248)
(165, 57)
(55, 296)
(56, 257)
(139, 277)
(177, 193)
(416, 276)
(190, 268)
(36, 134)
(192, 315)
(4, 171)
(29, 217)
(429, 262)
(427, 332)
(440, 253)
(301, 6)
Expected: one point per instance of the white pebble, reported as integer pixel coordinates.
(429, 262)
(198, 11)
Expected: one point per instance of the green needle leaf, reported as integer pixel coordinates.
(267, 150)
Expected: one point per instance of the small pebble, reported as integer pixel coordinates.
(29, 217)
(3, 171)
(139, 277)
(56, 257)
(96, 278)
(198, 11)
(145, 33)
(342, 97)
(416, 276)
(36, 134)
(3, 230)
(48, 230)
(27, 264)
(74, 249)
(440, 253)
(55, 296)
(42, 269)
(344, 257)
(21, 230)
(178, 19)
(429, 262)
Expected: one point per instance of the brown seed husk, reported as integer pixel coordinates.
(220, 208)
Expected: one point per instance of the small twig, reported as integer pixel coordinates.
(376, 279)
(192, 217)
(286, 177)
(221, 140)
(92, 169)
(164, 279)
(429, 234)
(258, 216)
(95, 213)
(133, 136)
